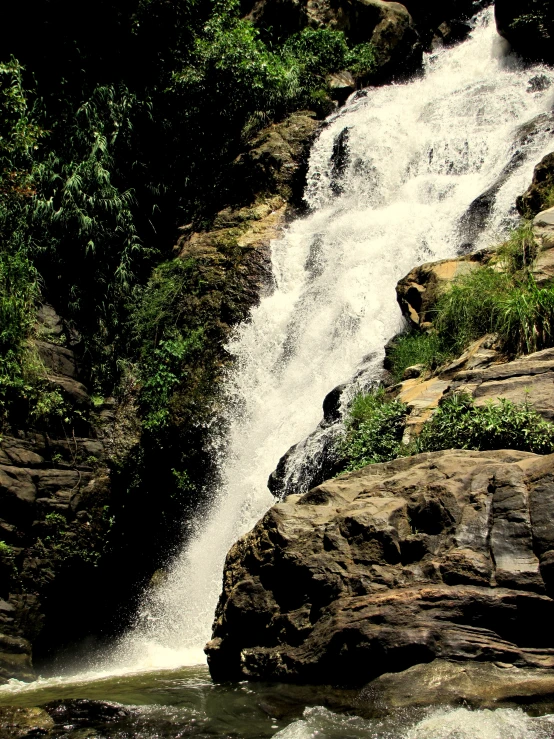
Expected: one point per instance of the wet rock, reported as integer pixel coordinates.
(24, 723)
(341, 86)
(437, 555)
(276, 160)
(81, 712)
(477, 215)
(479, 685)
(15, 659)
(529, 27)
(444, 21)
(339, 161)
(535, 198)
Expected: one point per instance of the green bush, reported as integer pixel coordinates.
(374, 430)
(162, 372)
(459, 424)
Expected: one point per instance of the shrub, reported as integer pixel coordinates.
(162, 372)
(374, 430)
(459, 424)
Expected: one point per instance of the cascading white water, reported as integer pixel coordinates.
(418, 154)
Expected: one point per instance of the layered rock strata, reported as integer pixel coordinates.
(442, 555)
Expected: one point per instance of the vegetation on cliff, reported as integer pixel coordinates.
(500, 298)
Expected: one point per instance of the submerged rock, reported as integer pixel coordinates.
(22, 723)
(441, 555)
(475, 684)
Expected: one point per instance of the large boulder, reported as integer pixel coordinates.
(529, 27)
(442, 555)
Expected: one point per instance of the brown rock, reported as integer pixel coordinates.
(543, 264)
(19, 723)
(418, 291)
(17, 494)
(534, 198)
(529, 27)
(443, 555)
(57, 359)
(15, 659)
(479, 685)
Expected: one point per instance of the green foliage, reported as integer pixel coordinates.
(19, 289)
(157, 308)
(519, 250)
(5, 549)
(459, 424)
(410, 349)
(487, 301)
(502, 298)
(361, 60)
(374, 430)
(163, 371)
(55, 519)
(469, 309)
(318, 50)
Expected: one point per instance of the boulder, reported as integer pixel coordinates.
(417, 293)
(480, 373)
(341, 85)
(57, 359)
(528, 25)
(17, 494)
(275, 161)
(444, 555)
(543, 231)
(479, 685)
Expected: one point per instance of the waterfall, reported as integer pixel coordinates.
(390, 178)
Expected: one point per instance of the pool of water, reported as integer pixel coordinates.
(171, 704)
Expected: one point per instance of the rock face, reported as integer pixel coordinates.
(270, 177)
(529, 27)
(54, 493)
(443, 555)
(535, 197)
